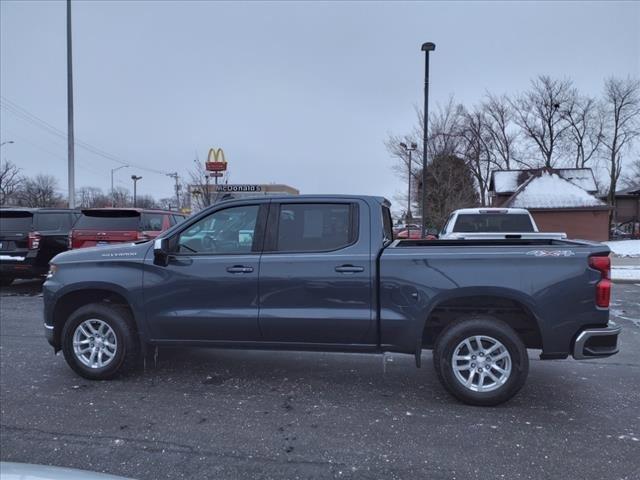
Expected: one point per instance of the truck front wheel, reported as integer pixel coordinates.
(99, 341)
(481, 361)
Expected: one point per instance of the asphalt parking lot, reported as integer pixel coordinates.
(238, 414)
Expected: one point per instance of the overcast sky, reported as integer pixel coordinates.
(297, 93)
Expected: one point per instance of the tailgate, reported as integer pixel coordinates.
(104, 227)
(92, 238)
(15, 226)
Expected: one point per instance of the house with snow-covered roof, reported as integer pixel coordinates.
(560, 200)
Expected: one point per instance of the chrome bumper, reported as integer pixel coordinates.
(596, 342)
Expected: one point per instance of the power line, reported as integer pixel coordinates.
(57, 155)
(23, 113)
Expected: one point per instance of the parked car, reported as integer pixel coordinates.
(416, 234)
(324, 273)
(30, 238)
(105, 226)
(493, 223)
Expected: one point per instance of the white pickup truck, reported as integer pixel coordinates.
(492, 224)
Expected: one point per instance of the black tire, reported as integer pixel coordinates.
(6, 281)
(128, 347)
(460, 330)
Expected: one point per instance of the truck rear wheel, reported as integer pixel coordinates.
(99, 341)
(481, 361)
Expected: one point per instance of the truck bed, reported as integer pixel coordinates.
(546, 281)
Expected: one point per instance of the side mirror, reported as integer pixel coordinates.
(161, 251)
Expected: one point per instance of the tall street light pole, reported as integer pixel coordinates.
(113, 193)
(135, 183)
(71, 162)
(426, 48)
(410, 150)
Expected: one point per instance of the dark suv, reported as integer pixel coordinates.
(29, 238)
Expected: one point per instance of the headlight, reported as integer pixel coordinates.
(52, 270)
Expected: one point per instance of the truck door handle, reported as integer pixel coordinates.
(349, 269)
(239, 269)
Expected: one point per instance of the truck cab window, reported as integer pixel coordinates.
(314, 227)
(228, 231)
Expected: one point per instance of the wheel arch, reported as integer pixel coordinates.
(71, 299)
(511, 306)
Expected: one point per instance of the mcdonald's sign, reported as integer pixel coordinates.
(216, 161)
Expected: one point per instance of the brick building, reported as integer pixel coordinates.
(560, 200)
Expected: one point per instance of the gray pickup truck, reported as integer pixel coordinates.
(324, 273)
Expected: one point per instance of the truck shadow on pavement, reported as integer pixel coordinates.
(346, 379)
(23, 288)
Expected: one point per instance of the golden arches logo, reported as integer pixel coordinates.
(216, 155)
(216, 161)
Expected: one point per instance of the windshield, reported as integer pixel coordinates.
(15, 221)
(109, 220)
(493, 222)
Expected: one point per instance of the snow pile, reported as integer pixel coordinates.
(624, 248)
(552, 191)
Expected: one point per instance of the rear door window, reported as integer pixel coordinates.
(493, 222)
(387, 224)
(152, 222)
(15, 221)
(315, 227)
(109, 221)
(52, 222)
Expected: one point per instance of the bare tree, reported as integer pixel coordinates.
(445, 124)
(40, 191)
(621, 106)
(499, 120)
(122, 197)
(477, 149)
(632, 177)
(201, 188)
(585, 129)
(10, 181)
(146, 201)
(92, 197)
(450, 185)
(539, 113)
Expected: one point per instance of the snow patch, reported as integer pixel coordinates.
(631, 274)
(505, 181)
(552, 191)
(624, 248)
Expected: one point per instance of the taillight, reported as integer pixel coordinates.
(603, 287)
(34, 240)
(602, 264)
(603, 293)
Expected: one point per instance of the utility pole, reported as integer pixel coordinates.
(174, 175)
(113, 193)
(426, 48)
(71, 162)
(135, 189)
